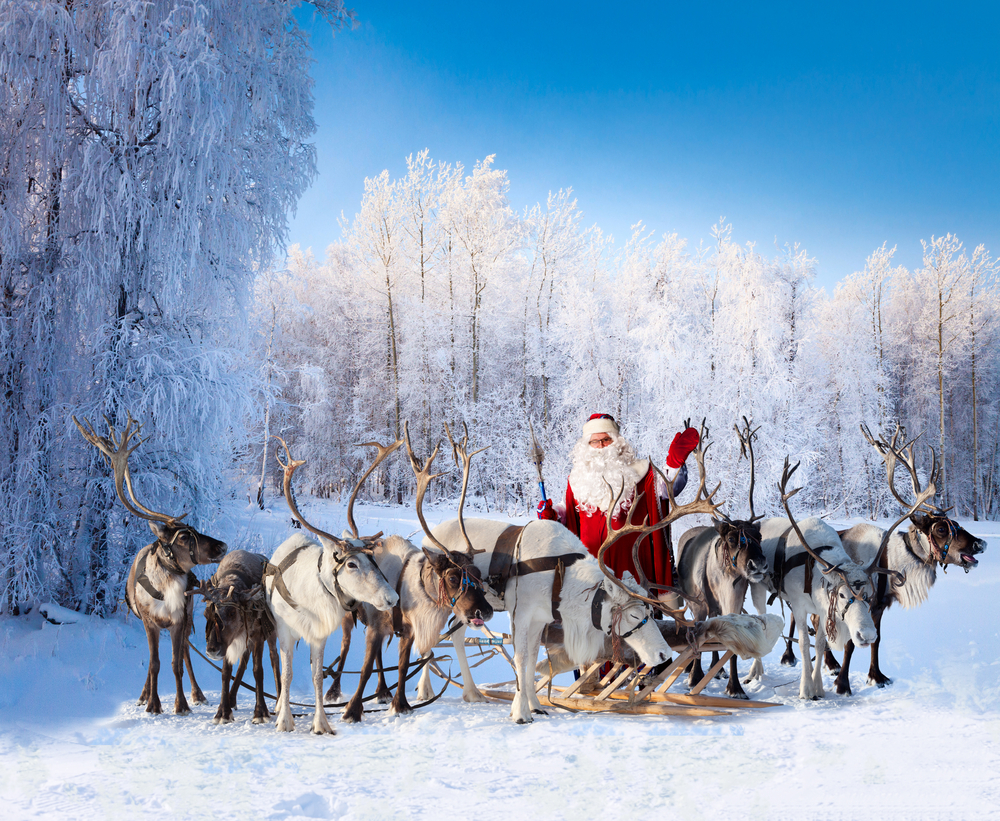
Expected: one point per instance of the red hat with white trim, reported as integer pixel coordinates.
(600, 423)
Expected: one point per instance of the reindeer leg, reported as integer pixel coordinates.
(260, 712)
(333, 692)
(224, 715)
(400, 706)
(875, 675)
(178, 640)
(470, 693)
(697, 673)
(715, 660)
(238, 678)
(758, 595)
(830, 662)
(528, 639)
(383, 695)
(354, 709)
(843, 680)
(424, 689)
(734, 689)
(285, 722)
(788, 657)
(321, 724)
(272, 648)
(150, 696)
(807, 682)
(197, 696)
(817, 664)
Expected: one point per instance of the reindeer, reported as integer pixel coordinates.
(431, 586)
(933, 539)
(541, 573)
(716, 565)
(842, 592)
(160, 578)
(238, 623)
(310, 587)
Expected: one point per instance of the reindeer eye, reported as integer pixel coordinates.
(352, 565)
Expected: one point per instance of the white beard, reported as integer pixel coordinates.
(596, 468)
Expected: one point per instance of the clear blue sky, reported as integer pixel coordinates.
(838, 126)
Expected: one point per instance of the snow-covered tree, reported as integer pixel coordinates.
(152, 150)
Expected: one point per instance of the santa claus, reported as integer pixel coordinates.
(602, 458)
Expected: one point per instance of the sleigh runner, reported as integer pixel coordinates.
(626, 688)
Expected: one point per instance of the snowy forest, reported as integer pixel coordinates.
(151, 155)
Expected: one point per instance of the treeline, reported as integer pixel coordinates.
(442, 304)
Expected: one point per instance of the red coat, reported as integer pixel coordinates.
(654, 553)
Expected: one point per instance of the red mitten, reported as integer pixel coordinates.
(684, 442)
(545, 511)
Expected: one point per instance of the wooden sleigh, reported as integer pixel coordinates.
(623, 689)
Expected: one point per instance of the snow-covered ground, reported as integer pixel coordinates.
(74, 744)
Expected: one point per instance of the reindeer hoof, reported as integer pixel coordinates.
(789, 660)
(525, 720)
(540, 712)
(880, 681)
(383, 697)
(260, 720)
(199, 697)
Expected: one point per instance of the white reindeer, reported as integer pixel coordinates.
(840, 592)
(312, 587)
(528, 598)
(932, 539)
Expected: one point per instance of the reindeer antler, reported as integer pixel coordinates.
(825, 566)
(747, 436)
(383, 452)
(463, 459)
(423, 476)
(891, 454)
(289, 469)
(117, 451)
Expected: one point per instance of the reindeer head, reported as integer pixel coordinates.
(949, 542)
(460, 586)
(741, 551)
(850, 593)
(346, 570)
(625, 616)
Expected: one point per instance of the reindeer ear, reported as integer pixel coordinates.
(923, 523)
(438, 560)
(159, 530)
(719, 526)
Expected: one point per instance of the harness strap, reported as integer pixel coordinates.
(778, 574)
(276, 570)
(502, 558)
(397, 610)
(783, 566)
(557, 583)
(595, 607)
(142, 579)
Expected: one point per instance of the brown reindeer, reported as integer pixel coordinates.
(716, 565)
(238, 624)
(159, 581)
(432, 585)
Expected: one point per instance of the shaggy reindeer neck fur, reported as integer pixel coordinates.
(155, 589)
(908, 553)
